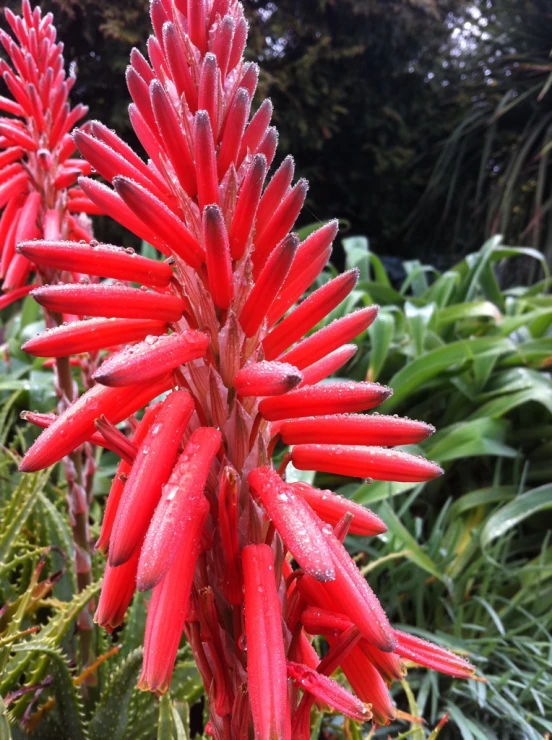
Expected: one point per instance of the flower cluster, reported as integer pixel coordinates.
(38, 172)
(248, 566)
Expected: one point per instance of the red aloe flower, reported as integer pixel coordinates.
(38, 170)
(197, 510)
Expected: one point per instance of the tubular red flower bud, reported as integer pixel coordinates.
(91, 335)
(266, 379)
(110, 301)
(324, 399)
(116, 440)
(8, 298)
(368, 685)
(246, 207)
(310, 259)
(219, 264)
(365, 462)
(388, 665)
(322, 622)
(209, 92)
(432, 656)
(118, 587)
(151, 358)
(351, 593)
(76, 424)
(331, 337)
(276, 189)
(266, 661)
(143, 488)
(175, 51)
(266, 285)
(173, 137)
(327, 690)
(233, 131)
(347, 429)
(150, 209)
(255, 130)
(278, 226)
(331, 508)
(204, 151)
(104, 260)
(313, 309)
(169, 606)
(117, 486)
(176, 510)
(110, 202)
(328, 365)
(295, 523)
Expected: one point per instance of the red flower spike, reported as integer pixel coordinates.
(143, 488)
(310, 260)
(305, 317)
(295, 523)
(365, 462)
(91, 335)
(246, 207)
(150, 209)
(351, 592)
(103, 260)
(118, 587)
(266, 661)
(276, 189)
(324, 399)
(328, 365)
(205, 157)
(331, 508)
(176, 510)
(328, 691)
(347, 429)
(219, 264)
(169, 606)
(76, 424)
(432, 656)
(235, 271)
(278, 226)
(266, 285)
(153, 357)
(266, 379)
(110, 301)
(330, 338)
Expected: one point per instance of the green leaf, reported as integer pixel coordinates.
(416, 554)
(470, 439)
(16, 513)
(165, 724)
(381, 335)
(510, 515)
(110, 718)
(413, 376)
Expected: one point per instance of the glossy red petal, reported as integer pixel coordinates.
(329, 338)
(91, 335)
(324, 399)
(266, 379)
(219, 263)
(175, 513)
(266, 660)
(331, 508)
(294, 521)
(154, 356)
(432, 656)
(110, 301)
(322, 369)
(104, 260)
(76, 424)
(347, 429)
(365, 462)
